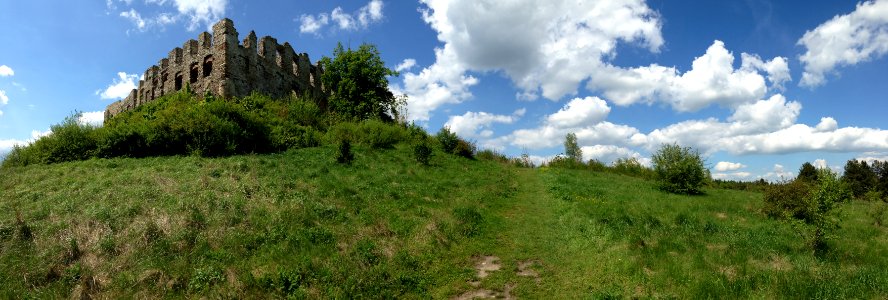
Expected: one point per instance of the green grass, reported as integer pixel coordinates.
(297, 224)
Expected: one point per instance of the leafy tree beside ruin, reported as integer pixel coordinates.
(357, 80)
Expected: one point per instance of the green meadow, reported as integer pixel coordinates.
(297, 224)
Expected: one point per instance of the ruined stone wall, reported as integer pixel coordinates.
(220, 65)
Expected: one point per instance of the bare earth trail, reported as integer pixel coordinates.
(533, 254)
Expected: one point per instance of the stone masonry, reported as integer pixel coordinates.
(218, 64)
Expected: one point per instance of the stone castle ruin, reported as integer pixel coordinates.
(219, 65)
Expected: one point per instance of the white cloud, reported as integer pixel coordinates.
(820, 163)
(3, 98)
(724, 166)
(609, 153)
(442, 83)
(362, 18)
(477, 124)
(827, 124)
(195, 13)
(312, 24)
(732, 175)
(779, 173)
(589, 110)
(120, 87)
(712, 79)
(543, 46)
(372, 12)
(6, 71)
(845, 40)
(201, 11)
(405, 65)
(95, 118)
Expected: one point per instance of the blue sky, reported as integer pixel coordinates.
(759, 87)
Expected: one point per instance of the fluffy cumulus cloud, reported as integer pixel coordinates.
(545, 47)
(610, 153)
(193, 13)
(405, 65)
(712, 79)
(477, 124)
(120, 87)
(363, 17)
(582, 116)
(548, 48)
(723, 166)
(6, 71)
(95, 118)
(845, 40)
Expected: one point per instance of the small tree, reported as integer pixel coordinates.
(679, 169)
(344, 154)
(807, 173)
(572, 149)
(859, 177)
(359, 85)
(829, 193)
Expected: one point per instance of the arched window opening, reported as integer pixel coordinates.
(208, 66)
(194, 72)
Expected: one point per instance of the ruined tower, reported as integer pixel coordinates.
(220, 65)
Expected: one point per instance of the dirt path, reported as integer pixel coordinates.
(514, 263)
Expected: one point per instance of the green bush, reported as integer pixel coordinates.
(465, 149)
(679, 169)
(492, 155)
(377, 134)
(631, 167)
(423, 153)
(789, 200)
(447, 139)
(344, 154)
(68, 141)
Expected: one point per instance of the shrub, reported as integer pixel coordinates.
(492, 155)
(377, 134)
(68, 141)
(679, 169)
(859, 177)
(465, 149)
(447, 139)
(829, 193)
(342, 131)
(565, 162)
(344, 154)
(631, 167)
(423, 153)
(789, 200)
(293, 136)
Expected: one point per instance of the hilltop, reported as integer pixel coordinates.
(300, 224)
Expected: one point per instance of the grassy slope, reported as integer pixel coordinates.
(299, 224)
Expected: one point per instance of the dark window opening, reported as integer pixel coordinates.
(178, 81)
(194, 72)
(208, 66)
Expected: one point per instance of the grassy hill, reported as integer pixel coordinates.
(298, 224)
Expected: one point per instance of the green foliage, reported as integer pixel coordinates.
(447, 139)
(379, 135)
(829, 193)
(422, 152)
(811, 204)
(807, 172)
(69, 140)
(859, 177)
(789, 200)
(453, 144)
(880, 168)
(679, 169)
(572, 149)
(631, 167)
(358, 83)
(344, 153)
(465, 149)
(492, 155)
